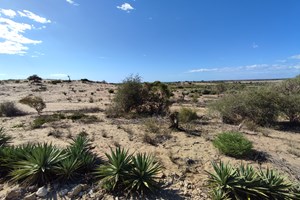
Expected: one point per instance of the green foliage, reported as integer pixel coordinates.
(125, 172)
(257, 105)
(246, 183)
(115, 172)
(142, 176)
(34, 78)
(34, 102)
(289, 96)
(4, 138)
(38, 165)
(233, 144)
(40, 120)
(87, 119)
(8, 109)
(134, 97)
(186, 115)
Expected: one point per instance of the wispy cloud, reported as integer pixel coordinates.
(254, 45)
(295, 57)
(13, 33)
(72, 2)
(8, 12)
(248, 68)
(126, 7)
(34, 17)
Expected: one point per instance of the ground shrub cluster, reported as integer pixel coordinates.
(263, 105)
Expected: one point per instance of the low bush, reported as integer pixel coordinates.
(34, 102)
(186, 115)
(244, 182)
(256, 105)
(233, 144)
(9, 109)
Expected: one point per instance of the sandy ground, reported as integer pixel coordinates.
(183, 155)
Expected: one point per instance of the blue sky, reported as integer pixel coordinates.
(158, 39)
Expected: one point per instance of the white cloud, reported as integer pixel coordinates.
(295, 57)
(72, 2)
(8, 12)
(10, 47)
(126, 7)
(13, 40)
(34, 17)
(248, 68)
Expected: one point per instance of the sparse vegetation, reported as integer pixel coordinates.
(4, 138)
(34, 102)
(233, 144)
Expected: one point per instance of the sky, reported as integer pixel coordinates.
(165, 40)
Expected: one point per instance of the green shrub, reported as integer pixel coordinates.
(134, 97)
(143, 175)
(233, 144)
(125, 172)
(34, 102)
(40, 120)
(115, 172)
(257, 105)
(34, 78)
(186, 115)
(38, 166)
(246, 183)
(8, 109)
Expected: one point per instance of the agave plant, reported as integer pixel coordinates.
(116, 171)
(4, 138)
(246, 183)
(68, 169)
(38, 165)
(79, 150)
(142, 177)
(274, 185)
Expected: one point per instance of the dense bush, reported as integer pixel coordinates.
(262, 105)
(257, 105)
(246, 183)
(186, 115)
(135, 97)
(34, 102)
(233, 144)
(9, 109)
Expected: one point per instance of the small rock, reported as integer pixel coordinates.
(31, 196)
(75, 191)
(42, 192)
(32, 188)
(84, 187)
(14, 194)
(63, 192)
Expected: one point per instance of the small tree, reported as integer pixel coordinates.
(34, 78)
(34, 102)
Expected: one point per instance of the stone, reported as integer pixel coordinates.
(84, 187)
(63, 192)
(14, 194)
(75, 191)
(42, 192)
(31, 196)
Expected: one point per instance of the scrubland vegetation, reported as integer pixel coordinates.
(164, 113)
